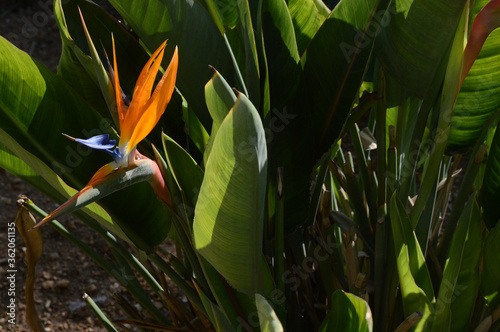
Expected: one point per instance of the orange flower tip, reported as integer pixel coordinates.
(70, 137)
(43, 221)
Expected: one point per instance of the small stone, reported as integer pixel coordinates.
(63, 283)
(53, 256)
(91, 289)
(6, 200)
(46, 275)
(47, 304)
(115, 287)
(48, 284)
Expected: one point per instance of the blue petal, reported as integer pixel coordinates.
(99, 142)
(116, 153)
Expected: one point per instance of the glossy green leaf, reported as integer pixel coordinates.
(347, 313)
(281, 51)
(491, 185)
(408, 47)
(36, 106)
(460, 283)
(415, 282)
(306, 21)
(228, 222)
(200, 44)
(220, 98)
(480, 93)
(268, 320)
(490, 287)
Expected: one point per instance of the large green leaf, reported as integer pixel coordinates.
(480, 93)
(490, 193)
(306, 21)
(460, 283)
(490, 287)
(228, 221)
(220, 99)
(415, 282)
(347, 313)
(188, 25)
(268, 320)
(281, 51)
(36, 106)
(304, 130)
(408, 46)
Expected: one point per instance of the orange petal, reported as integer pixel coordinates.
(142, 90)
(98, 177)
(122, 109)
(156, 105)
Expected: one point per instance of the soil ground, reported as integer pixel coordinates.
(63, 273)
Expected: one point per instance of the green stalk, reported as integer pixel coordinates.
(381, 225)
(400, 121)
(392, 162)
(316, 195)
(409, 164)
(178, 281)
(279, 236)
(380, 135)
(98, 312)
(356, 197)
(188, 247)
(365, 174)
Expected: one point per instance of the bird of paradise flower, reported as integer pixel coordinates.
(135, 121)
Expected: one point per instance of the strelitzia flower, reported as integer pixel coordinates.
(136, 121)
